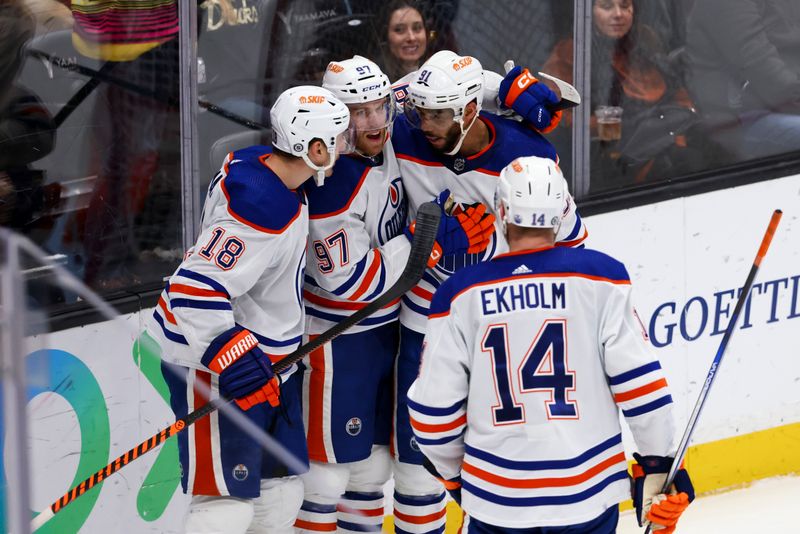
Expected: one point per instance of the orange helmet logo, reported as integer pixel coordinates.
(516, 166)
(312, 99)
(461, 63)
(335, 67)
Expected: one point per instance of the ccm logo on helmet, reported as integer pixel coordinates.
(335, 67)
(371, 87)
(463, 62)
(312, 99)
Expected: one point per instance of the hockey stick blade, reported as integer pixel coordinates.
(570, 97)
(428, 218)
(714, 369)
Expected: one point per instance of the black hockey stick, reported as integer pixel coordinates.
(428, 218)
(712, 372)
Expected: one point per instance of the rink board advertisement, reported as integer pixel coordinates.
(95, 391)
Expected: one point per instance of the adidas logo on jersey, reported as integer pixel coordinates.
(522, 269)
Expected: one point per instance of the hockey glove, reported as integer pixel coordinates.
(452, 485)
(653, 507)
(523, 93)
(468, 231)
(245, 372)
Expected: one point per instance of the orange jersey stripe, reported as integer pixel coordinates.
(317, 527)
(316, 398)
(204, 481)
(373, 268)
(328, 303)
(183, 289)
(552, 482)
(418, 291)
(422, 519)
(426, 427)
(640, 391)
(168, 314)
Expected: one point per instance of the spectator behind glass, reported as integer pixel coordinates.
(629, 70)
(744, 73)
(406, 39)
(132, 226)
(27, 132)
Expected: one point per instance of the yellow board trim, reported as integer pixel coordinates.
(714, 466)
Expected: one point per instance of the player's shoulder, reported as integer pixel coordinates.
(256, 195)
(461, 281)
(581, 262)
(514, 139)
(339, 189)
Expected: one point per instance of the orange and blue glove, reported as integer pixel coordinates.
(659, 510)
(465, 231)
(529, 98)
(245, 372)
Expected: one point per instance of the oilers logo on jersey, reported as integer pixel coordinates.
(240, 472)
(353, 426)
(396, 208)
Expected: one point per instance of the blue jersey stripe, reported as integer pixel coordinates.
(362, 495)
(353, 278)
(353, 527)
(537, 465)
(545, 500)
(264, 340)
(200, 304)
(369, 321)
(634, 373)
(413, 306)
(575, 229)
(439, 441)
(433, 411)
(649, 407)
(381, 282)
(186, 273)
(317, 508)
(172, 336)
(418, 500)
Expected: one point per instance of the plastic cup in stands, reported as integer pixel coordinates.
(609, 122)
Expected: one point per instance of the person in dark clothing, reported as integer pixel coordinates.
(744, 73)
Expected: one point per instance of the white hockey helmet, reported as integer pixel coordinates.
(532, 193)
(446, 81)
(304, 113)
(357, 81)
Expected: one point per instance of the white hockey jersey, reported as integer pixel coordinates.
(470, 179)
(246, 267)
(356, 246)
(526, 360)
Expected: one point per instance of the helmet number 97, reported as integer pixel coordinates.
(364, 69)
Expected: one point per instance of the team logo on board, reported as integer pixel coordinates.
(240, 472)
(353, 426)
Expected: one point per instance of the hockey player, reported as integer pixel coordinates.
(357, 249)
(234, 305)
(528, 359)
(444, 141)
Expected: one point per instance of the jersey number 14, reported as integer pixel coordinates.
(542, 370)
